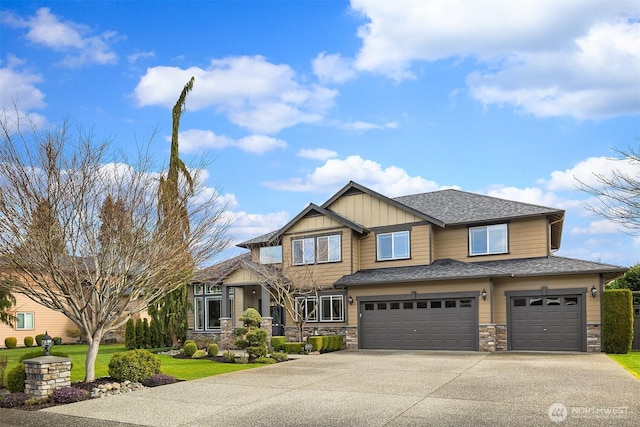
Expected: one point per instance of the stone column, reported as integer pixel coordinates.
(46, 373)
(227, 339)
(267, 325)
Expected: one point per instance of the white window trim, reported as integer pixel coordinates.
(489, 250)
(393, 249)
(33, 320)
(314, 315)
(330, 258)
(270, 255)
(330, 299)
(195, 314)
(303, 242)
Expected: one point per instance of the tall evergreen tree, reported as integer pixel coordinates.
(6, 301)
(173, 192)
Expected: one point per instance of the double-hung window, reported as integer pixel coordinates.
(393, 245)
(488, 240)
(24, 321)
(313, 250)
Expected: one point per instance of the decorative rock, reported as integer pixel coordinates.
(112, 389)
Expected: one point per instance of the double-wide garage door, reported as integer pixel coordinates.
(430, 324)
(547, 323)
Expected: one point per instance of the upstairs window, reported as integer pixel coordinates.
(303, 251)
(488, 240)
(271, 255)
(321, 249)
(329, 248)
(393, 245)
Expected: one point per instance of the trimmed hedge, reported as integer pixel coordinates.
(28, 341)
(212, 350)
(617, 321)
(190, 349)
(277, 341)
(316, 343)
(293, 347)
(11, 342)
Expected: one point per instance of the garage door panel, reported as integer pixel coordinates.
(442, 324)
(547, 323)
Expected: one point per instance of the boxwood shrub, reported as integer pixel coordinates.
(293, 347)
(617, 321)
(277, 341)
(11, 342)
(190, 349)
(39, 340)
(212, 350)
(16, 377)
(28, 341)
(134, 365)
(316, 343)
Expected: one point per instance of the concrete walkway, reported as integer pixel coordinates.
(384, 388)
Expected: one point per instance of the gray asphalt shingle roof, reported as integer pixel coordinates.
(461, 207)
(449, 269)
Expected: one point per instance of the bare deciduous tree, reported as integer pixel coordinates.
(618, 195)
(295, 288)
(79, 232)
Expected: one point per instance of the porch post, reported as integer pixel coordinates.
(267, 320)
(224, 303)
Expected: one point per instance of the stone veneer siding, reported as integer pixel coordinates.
(493, 337)
(594, 342)
(45, 374)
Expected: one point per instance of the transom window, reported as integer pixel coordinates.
(320, 249)
(393, 245)
(487, 240)
(24, 321)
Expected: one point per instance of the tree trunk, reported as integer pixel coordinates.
(300, 329)
(92, 354)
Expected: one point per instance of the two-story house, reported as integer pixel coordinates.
(445, 270)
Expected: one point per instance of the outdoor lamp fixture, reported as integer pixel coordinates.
(350, 299)
(483, 294)
(47, 342)
(594, 291)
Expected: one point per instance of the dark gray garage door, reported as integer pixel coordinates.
(547, 323)
(436, 324)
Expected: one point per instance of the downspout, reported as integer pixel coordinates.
(601, 290)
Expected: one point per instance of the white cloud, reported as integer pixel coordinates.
(317, 154)
(260, 144)
(587, 171)
(194, 140)
(602, 226)
(135, 57)
(361, 126)
(19, 93)
(391, 181)
(245, 226)
(75, 39)
(252, 92)
(573, 58)
(332, 68)
(533, 195)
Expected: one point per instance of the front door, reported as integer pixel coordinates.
(277, 313)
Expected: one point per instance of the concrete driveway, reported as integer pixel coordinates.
(394, 388)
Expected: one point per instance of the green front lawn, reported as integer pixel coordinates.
(184, 369)
(629, 361)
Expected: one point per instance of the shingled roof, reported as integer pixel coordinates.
(449, 269)
(460, 207)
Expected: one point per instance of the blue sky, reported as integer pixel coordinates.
(293, 99)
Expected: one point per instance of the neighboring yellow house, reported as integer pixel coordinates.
(33, 319)
(445, 270)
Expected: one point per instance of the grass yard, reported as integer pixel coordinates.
(629, 361)
(184, 369)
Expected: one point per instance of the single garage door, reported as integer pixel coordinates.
(547, 323)
(434, 324)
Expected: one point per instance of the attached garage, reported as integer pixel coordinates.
(555, 321)
(434, 323)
